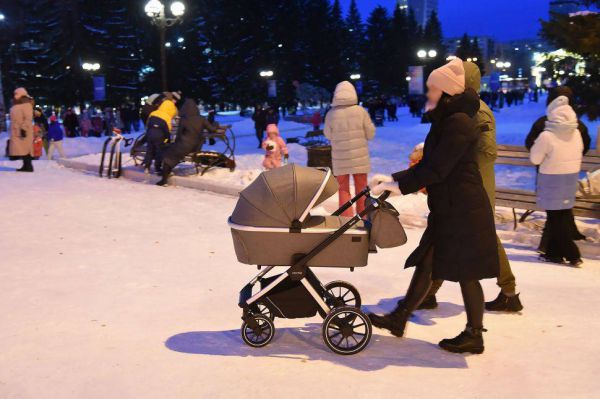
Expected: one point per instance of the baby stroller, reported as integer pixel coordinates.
(272, 226)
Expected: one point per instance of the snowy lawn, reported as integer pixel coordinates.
(114, 289)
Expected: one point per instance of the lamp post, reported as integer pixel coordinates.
(155, 10)
(424, 54)
(91, 68)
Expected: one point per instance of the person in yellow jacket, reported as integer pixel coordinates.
(158, 132)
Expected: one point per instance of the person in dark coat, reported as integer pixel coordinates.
(260, 123)
(71, 123)
(459, 243)
(158, 134)
(536, 129)
(272, 116)
(189, 138)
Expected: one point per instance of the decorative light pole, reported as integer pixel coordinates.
(427, 53)
(155, 9)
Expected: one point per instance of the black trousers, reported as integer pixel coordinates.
(154, 152)
(420, 284)
(560, 233)
(259, 135)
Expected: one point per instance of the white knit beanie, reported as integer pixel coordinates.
(449, 78)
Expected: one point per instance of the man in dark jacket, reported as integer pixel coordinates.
(189, 138)
(537, 128)
(260, 123)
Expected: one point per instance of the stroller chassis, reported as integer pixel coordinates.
(344, 321)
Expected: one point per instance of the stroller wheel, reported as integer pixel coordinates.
(346, 330)
(258, 331)
(264, 310)
(341, 293)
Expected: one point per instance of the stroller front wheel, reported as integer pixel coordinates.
(347, 330)
(258, 331)
(341, 293)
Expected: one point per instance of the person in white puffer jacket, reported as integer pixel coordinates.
(558, 151)
(349, 128)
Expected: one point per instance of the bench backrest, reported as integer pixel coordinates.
(519, 156)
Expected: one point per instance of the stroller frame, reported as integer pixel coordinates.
(340, 317)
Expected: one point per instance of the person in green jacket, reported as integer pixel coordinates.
(508, 299)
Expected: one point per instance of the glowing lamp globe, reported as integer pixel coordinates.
(177, 8)
(154, 8)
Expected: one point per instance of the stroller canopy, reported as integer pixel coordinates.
(280, 196)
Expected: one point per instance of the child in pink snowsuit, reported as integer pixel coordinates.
(274, 147)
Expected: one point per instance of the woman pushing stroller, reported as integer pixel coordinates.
(459, 243)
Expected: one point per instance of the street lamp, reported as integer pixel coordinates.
(155, 10)
(355, 76)
(432, 53)
(266, 74)
(90, 66)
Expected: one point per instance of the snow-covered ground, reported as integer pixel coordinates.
(114, 289)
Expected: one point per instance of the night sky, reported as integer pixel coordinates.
(501, 19)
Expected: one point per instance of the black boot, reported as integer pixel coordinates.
(27, 164)
(166, 172)
(470, 340)
(395, 321)
(551, 259)
(430, 302)
(504, 303)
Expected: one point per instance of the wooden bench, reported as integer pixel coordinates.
(588, 206)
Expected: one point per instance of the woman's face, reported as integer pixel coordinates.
(433, 97)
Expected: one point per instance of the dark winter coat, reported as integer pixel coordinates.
(55, 132)
(259, 118)
(539, 125)
(71, 121)
(189, 134)
(461, 225)
(272, 117)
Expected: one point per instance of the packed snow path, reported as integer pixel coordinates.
(114, 289)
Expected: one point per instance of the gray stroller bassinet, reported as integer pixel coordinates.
(272, 226)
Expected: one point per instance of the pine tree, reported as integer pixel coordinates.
(353, 52)
(579, 35)
(468, 50)
(477, 56)
(38, 57)
(400, 48)
(433, 40)
(111, 39)
(376, 53)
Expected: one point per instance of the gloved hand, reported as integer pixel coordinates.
(381, 187)
(379, 178)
